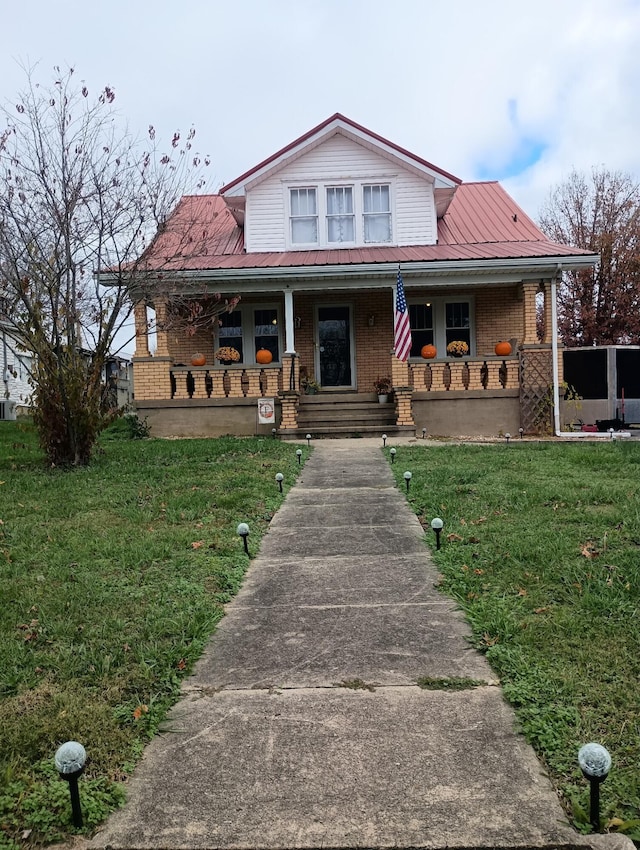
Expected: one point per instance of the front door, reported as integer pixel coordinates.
(334, 346)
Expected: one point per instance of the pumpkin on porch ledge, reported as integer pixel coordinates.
(198, 359)
(503, 349)
(264, 356)
(428, 352)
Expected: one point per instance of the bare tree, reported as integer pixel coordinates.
(78, 195)
(602, 214)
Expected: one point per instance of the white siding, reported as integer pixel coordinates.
(15, 374)
(341, 160)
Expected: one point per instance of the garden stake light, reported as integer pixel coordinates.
(274, 431)
(424, 433)
(70, 759)
(243, 531)
(611, 433)
(384, 439)
(595, 764)
(308, 439)
(507, 437)
(521, 432)
(407, 479)
(279, 479)
(299, 454)
(436, 525)
(392, 452)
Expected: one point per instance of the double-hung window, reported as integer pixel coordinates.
(376, 213)
(458, 322)
(438, 322)
(340, 216)
(422, 333)
(304, 216)
(248, 329)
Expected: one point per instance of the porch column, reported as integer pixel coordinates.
(290, 346)
(142, 329)
(162, 337)
(529, 289)
(403, 391)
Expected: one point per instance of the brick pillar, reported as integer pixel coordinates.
(548, 326)
(289, 415)
(403, 391)
(152, 378)
(529, 290)
(162, 335)
(142, 329)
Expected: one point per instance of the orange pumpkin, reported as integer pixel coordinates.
(264, 356)
(503, 349)
(428, 352)
(198, 359)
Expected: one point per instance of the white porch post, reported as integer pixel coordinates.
(290, 345)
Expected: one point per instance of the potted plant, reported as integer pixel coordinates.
(227, 355)
(457, 348)
(383, 387)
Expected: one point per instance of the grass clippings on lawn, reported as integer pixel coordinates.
(112, 579)
(541, 547)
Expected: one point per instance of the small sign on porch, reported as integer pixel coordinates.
(266, 411)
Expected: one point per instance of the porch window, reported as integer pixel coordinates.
(421, 319)
(230, 331)
(376, 213)
(265, 331)
(340, 217)
(304, 216)
(458, 322)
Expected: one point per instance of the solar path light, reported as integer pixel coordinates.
(308, 439)
(384, 439)
(70, 759)
(299, 454)
(521, 430)
(274, 431)
(507, 437)
(392, 452)
(436, 525)
(279, 479)
(243, 531)
(407, 479)
(424, 433)
(595, 764)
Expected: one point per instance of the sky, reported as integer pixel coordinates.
(484, 89)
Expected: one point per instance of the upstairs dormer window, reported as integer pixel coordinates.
(376, 213)
(304, 216)
(329, 215)
(340, 216)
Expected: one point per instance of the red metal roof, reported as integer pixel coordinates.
(482, 223)
(336, 117)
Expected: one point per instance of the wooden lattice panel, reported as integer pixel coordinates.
(536, 375)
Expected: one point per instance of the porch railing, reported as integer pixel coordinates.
(481, 374)
(201, 382)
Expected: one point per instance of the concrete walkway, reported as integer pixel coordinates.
(270, 747)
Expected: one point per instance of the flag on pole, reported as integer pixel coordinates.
(402, 338)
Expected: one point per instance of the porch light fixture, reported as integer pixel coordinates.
(279, 479)
(299, 454)
(70, 759)
(297, 322)
(595, 764)
(372, 320)
(407, 479)
(437, 525)
(384, 439)
(392, 452)
(308, 439)
(243, 531)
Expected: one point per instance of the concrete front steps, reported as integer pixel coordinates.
(336, 414)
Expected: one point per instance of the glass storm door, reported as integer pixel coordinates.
(334, 346)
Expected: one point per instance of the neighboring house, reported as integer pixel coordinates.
(312, 240)
(16, 371)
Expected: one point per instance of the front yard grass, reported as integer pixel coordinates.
(112, 578)
(541, 547)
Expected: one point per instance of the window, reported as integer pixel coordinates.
(421, 320)
(340, 218)
(248, 329)
(457, 322)
(304, 217)
(438, 322)
(376, 213)
(329, 215)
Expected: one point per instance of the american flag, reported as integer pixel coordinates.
(402, 327)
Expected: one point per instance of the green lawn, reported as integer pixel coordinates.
(112, 578)
(541, 546)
